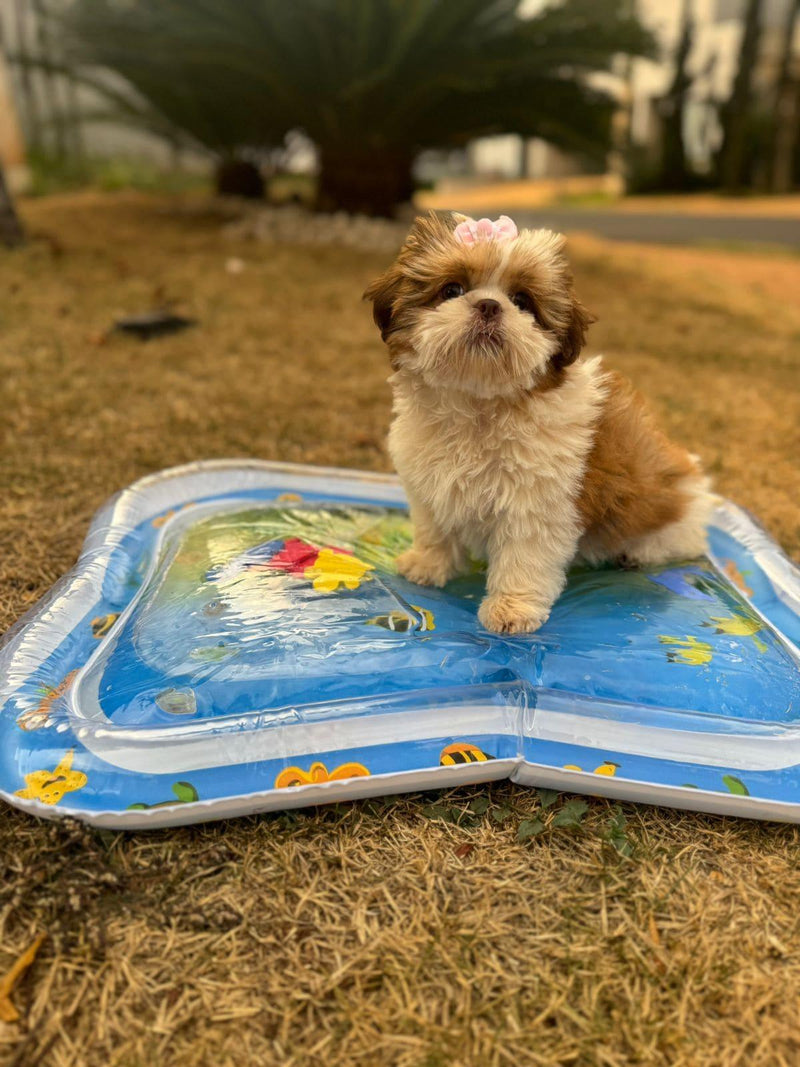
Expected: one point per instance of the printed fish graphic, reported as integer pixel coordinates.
(401, 622)
(256, 558)
(738, 626)
(687, 650)
(684, 582)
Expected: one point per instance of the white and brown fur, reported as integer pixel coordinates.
(509, 447)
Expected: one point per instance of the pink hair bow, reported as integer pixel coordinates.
(470, 232)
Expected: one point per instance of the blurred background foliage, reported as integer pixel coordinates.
(370, 82)
(369, 88)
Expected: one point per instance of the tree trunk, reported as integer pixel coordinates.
(239, 177)
(736, 113)
(787, 109)
(364, 185)
(674, 169)
(11, 232)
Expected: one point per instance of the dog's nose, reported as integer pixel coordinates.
(488, 308)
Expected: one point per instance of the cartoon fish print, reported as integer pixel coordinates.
(687, 650)
(333, 568)
(732, 572)
(177, 701)
(162, 520)
(462, 752)
(289, 498)
(401, 622)
(214, 608)
(36, 718)
(684, 582)
(295, 557)
(49, 787)
(101, 624)
(291, 777)
(739, 626)
(256, 558)
(211, 653)
(289, 556)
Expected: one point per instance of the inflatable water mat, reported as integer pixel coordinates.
(235, 639)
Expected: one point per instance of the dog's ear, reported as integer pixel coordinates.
(573, 337)
(382, 292)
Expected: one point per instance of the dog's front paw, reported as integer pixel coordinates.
(425, 566)
(505, 613)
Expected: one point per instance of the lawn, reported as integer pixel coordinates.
(416, 931)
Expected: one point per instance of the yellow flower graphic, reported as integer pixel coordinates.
(332, 569)
(50, 786)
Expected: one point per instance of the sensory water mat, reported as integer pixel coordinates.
(234, 638)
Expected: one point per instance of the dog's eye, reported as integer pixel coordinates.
(451, 291)
(523, 302)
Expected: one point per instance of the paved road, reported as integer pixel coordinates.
(662, 228)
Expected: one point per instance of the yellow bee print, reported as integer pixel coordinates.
(49, 787)
(607, 768)
(102, 624)
(462, 752)
(291, 777)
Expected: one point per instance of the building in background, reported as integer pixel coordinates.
(712, 64)
(642, 85)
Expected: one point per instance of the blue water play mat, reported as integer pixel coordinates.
(234, 639)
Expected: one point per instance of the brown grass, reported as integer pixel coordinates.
(418, 931)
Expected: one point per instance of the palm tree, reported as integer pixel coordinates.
(371, 82)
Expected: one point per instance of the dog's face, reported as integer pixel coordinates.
(493, 318)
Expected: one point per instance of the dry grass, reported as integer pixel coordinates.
(374, 933)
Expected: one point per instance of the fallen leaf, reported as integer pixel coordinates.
(529, 828)
(8, 1013)
(571, 814)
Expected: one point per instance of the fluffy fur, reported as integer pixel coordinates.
(509, 447)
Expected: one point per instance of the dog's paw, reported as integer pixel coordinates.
(425, 566)
(504, 613)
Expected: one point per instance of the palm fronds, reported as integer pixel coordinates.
(371, 82)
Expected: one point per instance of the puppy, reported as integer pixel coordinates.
(510, 449)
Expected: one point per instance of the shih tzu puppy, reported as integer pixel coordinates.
(509, 447)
